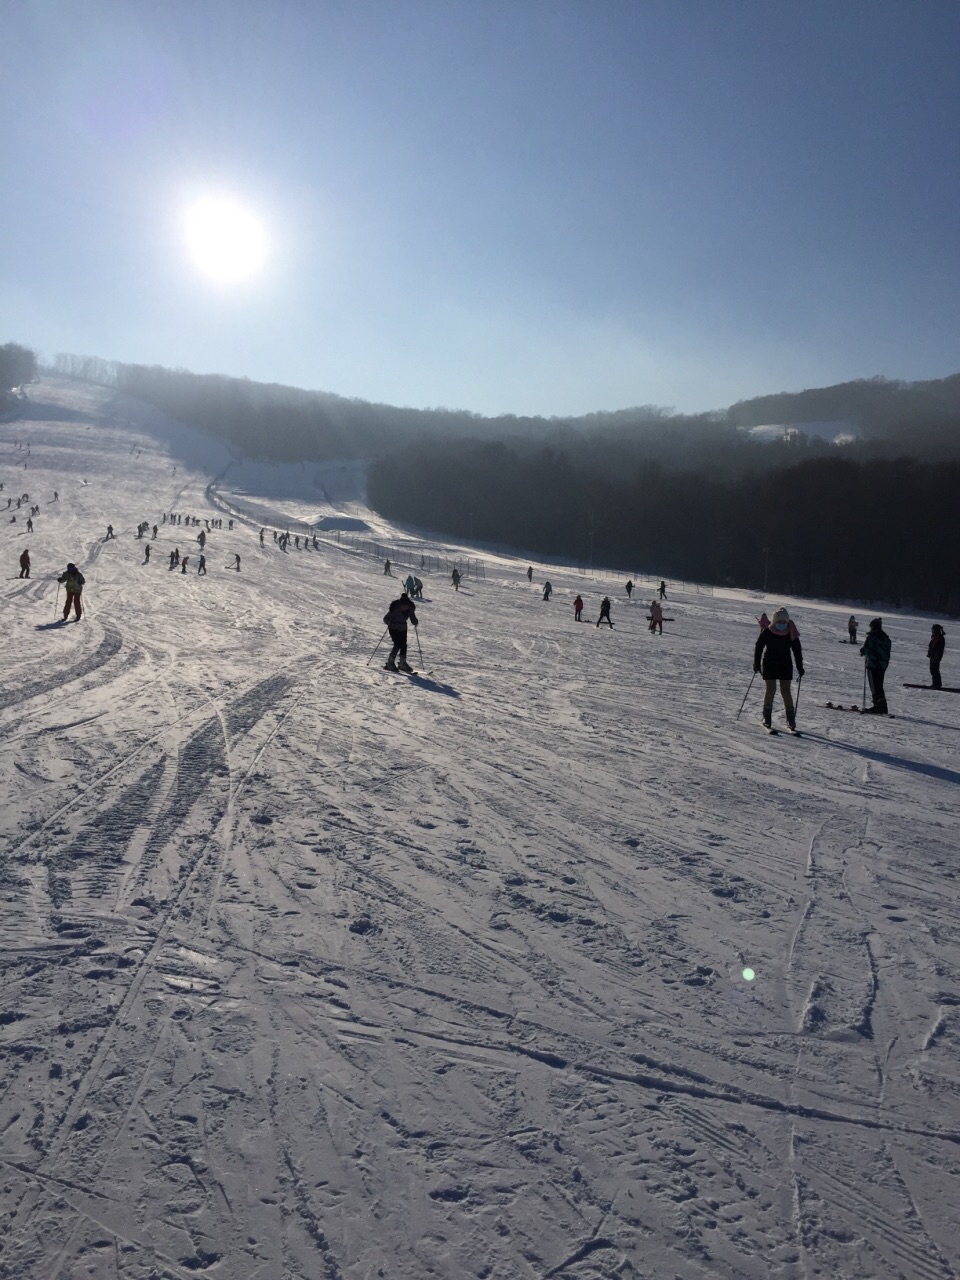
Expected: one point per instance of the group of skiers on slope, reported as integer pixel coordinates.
(779, 643)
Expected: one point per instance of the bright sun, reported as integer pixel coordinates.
(226, 241)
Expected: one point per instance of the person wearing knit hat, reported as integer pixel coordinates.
(876, 654)
(938, 642)
(773, 654)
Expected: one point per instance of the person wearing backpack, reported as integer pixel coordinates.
(401, 611)
(73, 580)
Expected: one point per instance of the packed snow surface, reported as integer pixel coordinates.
(311, 970)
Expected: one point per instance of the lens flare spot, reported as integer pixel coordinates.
(226, 241)
(748, 975)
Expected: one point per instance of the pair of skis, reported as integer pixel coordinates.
(937, 688)
(860, 711)
(768, 728)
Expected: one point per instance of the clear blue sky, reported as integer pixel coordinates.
(529, 206)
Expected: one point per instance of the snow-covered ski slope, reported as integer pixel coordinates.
(314, 971)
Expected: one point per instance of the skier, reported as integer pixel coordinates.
(547, 590)
(146, 554)
(386, 569)
(629, 589)
(25, 563)
(202, 566)
(56, 496)
(876, 652)
(455, 579)
(605, 612)
(154, 531)
(656, 616)
(29, 524)
(237, 563)
(577, 609)
(410, 585)
(396, 618)
(663, 589)
(530, 574)
(774, 646)
(202, 539)
(262, 531)
(183, 564)
(109, 532)
(938, 642)
(852, 629)
(417, 589)
(73, 579)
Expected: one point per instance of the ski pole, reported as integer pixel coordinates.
(746, 695)
(379, 643)
(416, 632)
(796, 705)
(56, 603)
(863, 700)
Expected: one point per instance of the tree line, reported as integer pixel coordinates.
(827, 525)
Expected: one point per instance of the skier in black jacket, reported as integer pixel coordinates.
(938, 642)
(772, 658)
(396, 617)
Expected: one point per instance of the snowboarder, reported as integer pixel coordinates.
(605, 612)
(656, 616)
(400, 612)
(772, 658)
(629, 589)
(577, 609)
(530, 574)
(547, 590)
(202, 566)
(876, 653)
(455, 579)
(663, 589)
(73, 580)
(938, 642)
(852, 629)
(25, 563)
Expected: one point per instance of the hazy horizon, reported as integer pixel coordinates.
(501, 209)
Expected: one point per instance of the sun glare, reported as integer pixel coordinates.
(227, 242)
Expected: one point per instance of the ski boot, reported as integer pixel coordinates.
(403, 666)
(390, 665)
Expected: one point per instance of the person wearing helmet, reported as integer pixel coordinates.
(773, 654)
(876, 652)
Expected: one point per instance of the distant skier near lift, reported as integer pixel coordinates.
(629, 588)
(852, 629)
(876, 653)
(455, 579)
(399, 613)
(772, 658)
(938, 642)
(605, 612)
(662, 589)
(529, 571)
(73, 580)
